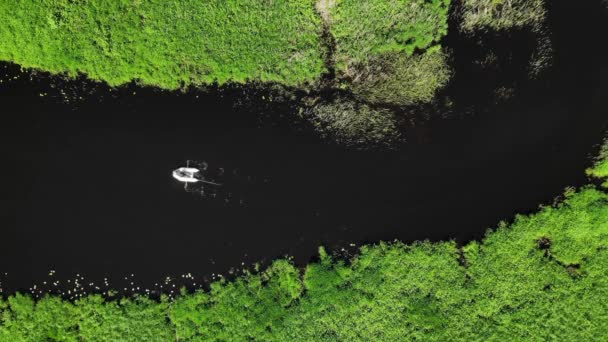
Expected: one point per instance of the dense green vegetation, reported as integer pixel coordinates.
(165, 43)
(368, 28)
(173, 44)
(543, 277)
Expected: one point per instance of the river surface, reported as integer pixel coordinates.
(87, 187)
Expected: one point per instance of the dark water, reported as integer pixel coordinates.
(87, 188)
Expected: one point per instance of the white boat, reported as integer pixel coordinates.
(188, 175)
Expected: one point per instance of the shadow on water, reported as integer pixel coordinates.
(88, 189)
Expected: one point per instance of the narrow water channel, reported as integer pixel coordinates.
(87, 187)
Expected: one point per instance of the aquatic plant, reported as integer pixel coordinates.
(487, 21)
(399, 79)
(480, 15)
(356, 124)
(542, 55)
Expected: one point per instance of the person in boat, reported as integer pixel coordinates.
(187, 174)
(191, 175)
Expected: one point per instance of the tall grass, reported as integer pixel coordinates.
(174, 44)
(367, 28)
(355, 124)
(399, 79)
(387, 49)
(502, 14)
(168, 44)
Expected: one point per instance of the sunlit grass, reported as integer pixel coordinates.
(365, 29)
(169, 44)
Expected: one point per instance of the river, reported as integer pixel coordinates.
(87, 186)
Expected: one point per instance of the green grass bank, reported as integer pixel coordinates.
(171, 44)
(168, 44)
(384, 51)
(386, 54)
(542, 277)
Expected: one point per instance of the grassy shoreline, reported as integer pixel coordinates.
(540, 277)
(169, 44)
(393, 58)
